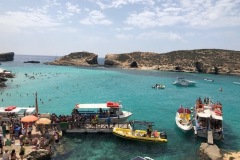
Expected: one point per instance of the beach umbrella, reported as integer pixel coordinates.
(43, 121)
(29, 118)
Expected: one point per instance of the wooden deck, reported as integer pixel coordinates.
(210, 137)
(101, 128)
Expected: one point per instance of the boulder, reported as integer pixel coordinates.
(211, 152)
(77, 59)
(2, 84)
(7, 56)
(39, 155)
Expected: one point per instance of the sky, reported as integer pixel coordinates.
(60, 27)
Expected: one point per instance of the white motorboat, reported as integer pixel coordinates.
(184, 82)
(103, 111)
(183, 119)
(236, 82)
(208, 117)
(207, 79)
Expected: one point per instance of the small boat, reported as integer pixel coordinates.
(183, 82)
(207, 79)
(103, 110)
(159, 86)
(236, 82)
(142, 158)
(140, 135)
(183, 119)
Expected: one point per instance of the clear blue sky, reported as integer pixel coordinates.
(59, 27)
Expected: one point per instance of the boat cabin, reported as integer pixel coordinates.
(103, 110)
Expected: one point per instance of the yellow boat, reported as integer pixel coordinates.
(140, 135)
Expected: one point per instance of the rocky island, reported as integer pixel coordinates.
(77, 59)
(199, 60)
(9, 56)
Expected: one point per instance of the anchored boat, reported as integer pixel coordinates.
(183, 119)
(140, 135)
(183, 82)
(103, 111)
(208, 119)
(159, 86)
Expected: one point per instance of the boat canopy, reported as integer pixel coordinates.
(184, 110)
(98, 105)
(216, 116)
(205, 114)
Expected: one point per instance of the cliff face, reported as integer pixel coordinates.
(7, 56)
(77, 59)
(202, 60)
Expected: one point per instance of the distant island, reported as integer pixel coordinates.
(9, 56)
(199, 60)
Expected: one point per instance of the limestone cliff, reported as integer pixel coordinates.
(77, 59)
(7, 56)
(201, 60)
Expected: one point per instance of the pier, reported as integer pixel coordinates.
(90, 128)
(210, 137)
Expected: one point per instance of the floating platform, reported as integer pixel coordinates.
(210, 137)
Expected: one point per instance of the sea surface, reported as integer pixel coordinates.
(59, 88)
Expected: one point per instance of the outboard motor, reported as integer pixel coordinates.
(163, 135)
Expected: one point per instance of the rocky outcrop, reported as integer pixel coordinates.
(201, 60)
(31, 62)
(7, 56)
(39, 155)
(77, 59)
(211, 152)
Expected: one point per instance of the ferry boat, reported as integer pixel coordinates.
(140, 135)
(19, 112)
(183, 119)
(183, 82)
(103, 111)
(208, 118)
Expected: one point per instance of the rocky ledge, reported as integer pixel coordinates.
(77, 59)
(201, 60)
(7, 56)
(211, 152)
(40, 154)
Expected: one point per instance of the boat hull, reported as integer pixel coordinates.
(137, 135)
(183, 127)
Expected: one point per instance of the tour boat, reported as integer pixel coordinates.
(208, 118)
(183, 119)
(103, 111)
(140, 135)
(183, 82)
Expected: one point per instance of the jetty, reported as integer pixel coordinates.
(210, 137)
(90, 128)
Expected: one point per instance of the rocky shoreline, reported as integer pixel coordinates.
(212, 61)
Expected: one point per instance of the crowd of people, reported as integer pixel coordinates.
(14, 133)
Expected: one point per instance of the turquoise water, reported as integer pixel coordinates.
(59, 88)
